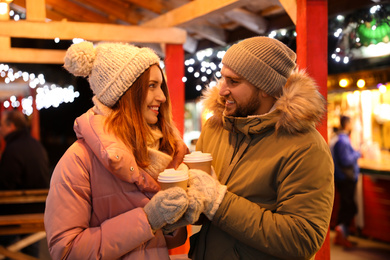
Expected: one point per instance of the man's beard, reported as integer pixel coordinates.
(248, 109)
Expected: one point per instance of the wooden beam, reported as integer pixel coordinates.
(155, 6)
(192, 11)
(116, 10)
(248, 20)
(214, 34)
(91, 32)
(272, 10)
(15, 89)
(190, 45)
(291, 9)
(34, 56)
(69, 11)
(5, 42)
(35, 10)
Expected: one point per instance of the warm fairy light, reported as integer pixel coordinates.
(47, 96)
(366, 105)
(343, 83)
(382, 88)
(353, 98)
(361, 83)
(3, 8)
(382, 113)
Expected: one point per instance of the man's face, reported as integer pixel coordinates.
(5, 128)
(241, 97)
(348, 126)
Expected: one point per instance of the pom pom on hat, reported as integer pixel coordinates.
(264, 62)
(111, 68)
(79, 59)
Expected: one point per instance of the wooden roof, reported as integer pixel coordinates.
(197, 24)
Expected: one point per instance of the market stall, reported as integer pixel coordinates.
(369, 108)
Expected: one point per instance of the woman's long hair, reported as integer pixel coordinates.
(128, 124)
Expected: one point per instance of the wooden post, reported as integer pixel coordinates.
(35, 121)
(312, 54)
(174, 67)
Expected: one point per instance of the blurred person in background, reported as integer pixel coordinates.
(24, 165)
(346, 175)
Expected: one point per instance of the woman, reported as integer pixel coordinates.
(104, 201)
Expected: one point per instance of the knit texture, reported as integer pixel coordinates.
(264, 62)
(196, 205)
(207, 191)
(111, 68)
(166, 207)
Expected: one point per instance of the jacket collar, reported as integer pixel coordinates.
(111, 152)
(299, 109)
(249, 125)
(15, 135)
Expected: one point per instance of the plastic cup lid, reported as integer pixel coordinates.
(172, 175)
(197, 157)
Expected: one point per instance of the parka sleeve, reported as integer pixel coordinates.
(297, 227)
(68, 214)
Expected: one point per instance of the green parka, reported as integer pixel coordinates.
(279, 175)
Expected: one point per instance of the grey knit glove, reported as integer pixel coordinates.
(207, 191)
(166, 207)
(195, 208)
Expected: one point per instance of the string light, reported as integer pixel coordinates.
(361, 83)
(364, 34)
(47, 96)
(343, 83)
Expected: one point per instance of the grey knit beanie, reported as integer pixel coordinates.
(111, 67)
(264, 62)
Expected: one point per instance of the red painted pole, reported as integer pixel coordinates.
(174, 67)
(312, 55)
(35, 122)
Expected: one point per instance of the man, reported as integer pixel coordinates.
(24, 165)
(274, 194)
(346, 175)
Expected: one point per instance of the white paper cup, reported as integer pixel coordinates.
(173, 178)
(198, 160)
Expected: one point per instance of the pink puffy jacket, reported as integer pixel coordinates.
(94, 209)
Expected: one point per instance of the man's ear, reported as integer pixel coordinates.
(265, 95)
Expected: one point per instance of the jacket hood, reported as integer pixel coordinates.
(111, 152)
(300, 107)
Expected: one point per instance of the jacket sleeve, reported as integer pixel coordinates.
(347, 156)
(297, 227)
(68, 213)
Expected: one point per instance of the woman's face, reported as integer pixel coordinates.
(155, 96)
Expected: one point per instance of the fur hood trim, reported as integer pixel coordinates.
(300, 107)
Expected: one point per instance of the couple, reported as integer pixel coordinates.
(273, 192)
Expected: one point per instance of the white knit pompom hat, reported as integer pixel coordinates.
(111, 68)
